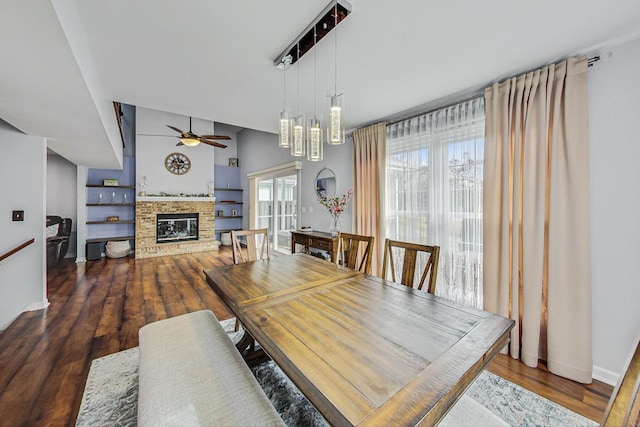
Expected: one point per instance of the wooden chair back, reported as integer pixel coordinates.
(355, 251)
(250, 238)
(409, 263)
(624, 404)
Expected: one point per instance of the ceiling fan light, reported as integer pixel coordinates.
(191, 142)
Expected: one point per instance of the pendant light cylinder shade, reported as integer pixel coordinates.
(314, 140)
(298, 130)
(284, 140)
(335, 124)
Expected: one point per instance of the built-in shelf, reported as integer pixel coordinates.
(106, 239)
(110, 186)
(111, 204)
(227, 230)
(122, 221)
(228, 199)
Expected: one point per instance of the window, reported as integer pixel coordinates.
(434, 177)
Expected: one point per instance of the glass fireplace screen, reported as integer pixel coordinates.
(176, 227)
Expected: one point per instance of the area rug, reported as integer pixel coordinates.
(111, 395)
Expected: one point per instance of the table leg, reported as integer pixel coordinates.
(247, 347)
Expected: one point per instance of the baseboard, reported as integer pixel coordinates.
(606, 376)
(31, 307)
(37, 306)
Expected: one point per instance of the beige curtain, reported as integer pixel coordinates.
(536, 216)
(368, 207)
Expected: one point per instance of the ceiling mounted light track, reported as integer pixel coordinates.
(326, 21)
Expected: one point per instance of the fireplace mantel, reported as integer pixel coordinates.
(174, 199)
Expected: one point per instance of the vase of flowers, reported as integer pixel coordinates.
(335, 205)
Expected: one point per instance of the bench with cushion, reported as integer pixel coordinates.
(191, 374)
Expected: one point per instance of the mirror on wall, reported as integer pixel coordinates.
(325, 182)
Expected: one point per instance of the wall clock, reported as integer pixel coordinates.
(177, 163)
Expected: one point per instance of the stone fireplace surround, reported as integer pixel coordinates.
(148, 207)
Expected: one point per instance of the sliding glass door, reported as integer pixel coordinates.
(276, 200)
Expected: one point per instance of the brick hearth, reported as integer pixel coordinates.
(146, 211)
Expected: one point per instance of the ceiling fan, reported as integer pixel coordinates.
(191, 139)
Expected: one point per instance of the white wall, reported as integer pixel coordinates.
(259, 150)
(614, 111)
(151, 152)
(23, 275)
(62, 194)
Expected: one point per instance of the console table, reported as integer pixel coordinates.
(315, 239)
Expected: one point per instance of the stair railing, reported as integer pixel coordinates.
(16, 249)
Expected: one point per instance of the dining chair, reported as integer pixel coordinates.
(409, 252)
(355, 251)
(624, 404)
(251, 240)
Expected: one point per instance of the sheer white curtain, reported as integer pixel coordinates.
(434, 176)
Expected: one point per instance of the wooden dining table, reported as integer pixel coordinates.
(363, 350)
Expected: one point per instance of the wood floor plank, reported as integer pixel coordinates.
(98, 307)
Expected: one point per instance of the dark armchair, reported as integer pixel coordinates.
(58, 244)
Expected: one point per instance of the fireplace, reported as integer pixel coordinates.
(176, 227)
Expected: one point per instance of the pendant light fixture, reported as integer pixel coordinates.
(299, 136)
(285, 115)
(335, 123)
(301, 133)
(314, 127)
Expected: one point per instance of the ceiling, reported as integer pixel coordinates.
(65, 61)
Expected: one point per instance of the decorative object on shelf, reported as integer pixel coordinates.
(210, 194)
(234, 212)
(225, 239)
(335, 205)
(117, 249)
(220, 212)
(113, 197)
(143, 186)
(100, 198)
(177, 163)
(163, 194)
(124, 198)
(113, 218)
(110, 182)
(233, 162)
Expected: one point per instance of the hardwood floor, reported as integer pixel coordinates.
(97, 309)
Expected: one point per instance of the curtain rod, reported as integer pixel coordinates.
(430, 107)
(436, 107)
